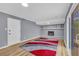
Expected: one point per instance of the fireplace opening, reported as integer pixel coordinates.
(50, 33)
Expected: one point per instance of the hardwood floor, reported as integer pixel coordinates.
(61, 50)
(16, 50)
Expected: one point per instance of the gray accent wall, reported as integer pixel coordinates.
(3, 32)
(28, 28)
(58, 31)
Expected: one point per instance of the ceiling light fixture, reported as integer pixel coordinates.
(25, 4)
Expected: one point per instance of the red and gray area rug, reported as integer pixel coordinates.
(42, 47)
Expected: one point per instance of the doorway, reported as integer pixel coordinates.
(14, 31)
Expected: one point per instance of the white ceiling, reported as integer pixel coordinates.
(41, 13)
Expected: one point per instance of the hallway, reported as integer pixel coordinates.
(39, 29)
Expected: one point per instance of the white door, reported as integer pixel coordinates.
(14, 29)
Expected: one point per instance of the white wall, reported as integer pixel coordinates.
(58, 31)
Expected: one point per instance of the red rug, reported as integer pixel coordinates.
(44, 52)
(40, 42)
(56, 42)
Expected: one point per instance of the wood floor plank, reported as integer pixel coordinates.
(61, 50)
(14, 50)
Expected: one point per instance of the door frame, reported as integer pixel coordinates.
(7, 32)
